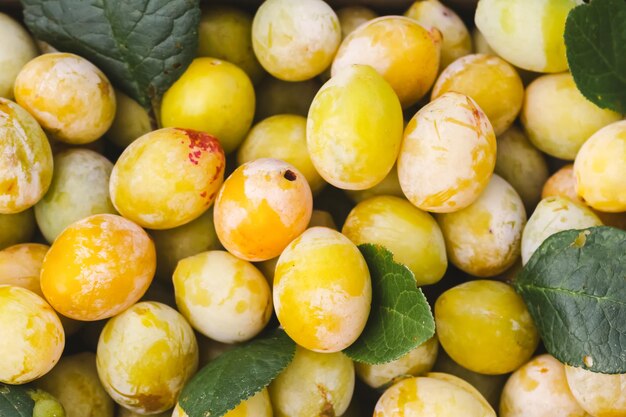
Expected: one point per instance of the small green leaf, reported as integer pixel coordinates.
(15, 401)
(595, 42)
(575, 288)
(400, 319)
(143, 46)
(236, 375)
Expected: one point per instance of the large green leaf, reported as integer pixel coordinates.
(23, 401)
(236, 375)
(575, 288)
(143, 46)
(400, 319)
(595, 41)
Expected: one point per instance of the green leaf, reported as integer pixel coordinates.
(15, 401)
(143, 46)
(236, 375)
(575, 288)
(400, 319)
(595, 42)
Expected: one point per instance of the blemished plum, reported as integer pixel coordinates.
(263, 206)
(322, 264)
(295, 40)
(17, 49)
(212, 96)
(226, 33)
(69, 96)
(448, 154)
(354, 128)
(484, 239)
(404, 53)
(167, 177)
(26, 163)
(558, 119)
(457, 41)
(313, 384)
(475, 75)
(223, 297)
(413, 236)
(145, 356)
(485, 327)
(79, 189)
(36, 336)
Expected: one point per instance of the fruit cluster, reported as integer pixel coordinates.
(136, 246)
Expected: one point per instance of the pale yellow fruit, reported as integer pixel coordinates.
(223, 297)
(313, 384)
(484, 239)
(351, 17)
(527, 33)
(282, 137)
(390, 186)
(552, 215)
(412, 235)
(475, 76)
(416, 362)
(20, 265)
(32, 336)
(600, 169)
(448, 154)
(74, 382)
(70, 98)
(131, 121)
(539, 389)
(404, 53)
(601, 395)
(17, 49)
(558, 119)
(145, 356)
(456, 38)
(432, 396)
(295, 40)
(322, 290)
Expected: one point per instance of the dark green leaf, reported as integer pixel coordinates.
(401, 318)
(236, 375)
(575, 288)
(15, 401)
(595, 41)
(143, 46)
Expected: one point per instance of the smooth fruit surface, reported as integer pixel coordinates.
(262, 207)
(211, 96)
(167, 177)
(539, 389)
(98, 267)
(351, 17)
(475, 76)
(528, 34)
(314, 384)
(558, 119)
(412, 235)
(415, 397)
(70, 98)
(20, 265)
(448, 154)
(295, 40)
(282, 136)
(79, 188)
(404, 53)
(17, 49)
(322, 290)
(33, 338)
(354, 128)
(223, 297)
(485, 327)
(600, 169)
(601, 395)
(131, 121)
(145, 356)
(484, 239)
(25, 159)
